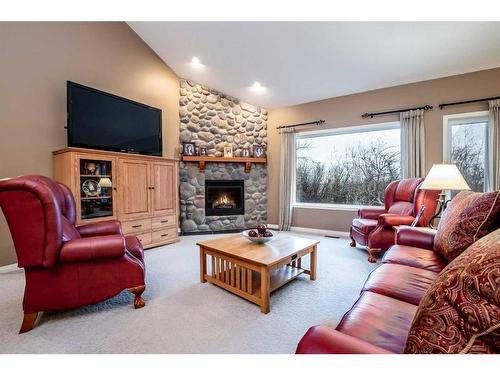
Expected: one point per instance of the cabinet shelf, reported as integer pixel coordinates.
(96, 198)
(202, 160)
(96, 175)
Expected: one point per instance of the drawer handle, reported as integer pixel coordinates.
(164, 221)
(137, 226)
(164, 235)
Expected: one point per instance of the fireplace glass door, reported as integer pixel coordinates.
(224, 197)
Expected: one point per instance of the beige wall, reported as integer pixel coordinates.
(37, 59)
(346, 111)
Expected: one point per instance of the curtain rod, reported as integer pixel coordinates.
(425, 107)
(317, 123)
(441, 106)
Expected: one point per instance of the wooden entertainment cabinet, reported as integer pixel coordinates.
(140, 191)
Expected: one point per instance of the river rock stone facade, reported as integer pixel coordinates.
(214, 120)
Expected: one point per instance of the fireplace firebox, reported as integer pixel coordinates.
(224, 197)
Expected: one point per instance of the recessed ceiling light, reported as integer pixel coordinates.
(257, 87)
(196, 63)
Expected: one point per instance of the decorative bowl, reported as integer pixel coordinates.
(259, 239)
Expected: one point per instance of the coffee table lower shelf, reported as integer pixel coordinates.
(277, 279)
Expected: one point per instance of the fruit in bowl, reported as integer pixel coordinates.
(261, 229)
(253, 233)
(260, 234)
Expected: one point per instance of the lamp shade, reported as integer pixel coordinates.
(105, 182)
(444, 177)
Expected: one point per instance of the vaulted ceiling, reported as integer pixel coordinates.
(297, 62)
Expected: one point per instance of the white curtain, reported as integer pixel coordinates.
(493, 179)
(286, 178)
(412, 144)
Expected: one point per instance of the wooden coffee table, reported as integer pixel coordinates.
(253, 271)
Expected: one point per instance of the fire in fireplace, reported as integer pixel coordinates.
(224, 197)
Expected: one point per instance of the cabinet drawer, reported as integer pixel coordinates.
(136, 226)
(144, 238)
(164, 234)
(163, 221)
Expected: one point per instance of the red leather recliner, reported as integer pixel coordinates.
(66, 266)
(403, 199)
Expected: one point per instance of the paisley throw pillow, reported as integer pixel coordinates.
(460, 313)
(468, 217)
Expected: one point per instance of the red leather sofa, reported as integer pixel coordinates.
(66, 266)
(374, 227)
(381, 318)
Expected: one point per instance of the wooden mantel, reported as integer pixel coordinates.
(202, 160)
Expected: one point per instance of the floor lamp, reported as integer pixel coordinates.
(443, 177)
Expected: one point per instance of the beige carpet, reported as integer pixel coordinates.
(184, 316)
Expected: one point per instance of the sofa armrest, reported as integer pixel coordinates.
(326, 340)
(92, 248)
(103, 228)
(370, 213)
(416, 237)
(394, 220)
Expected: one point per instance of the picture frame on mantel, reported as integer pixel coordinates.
(188, 148)
(228, 152)
(259, 152)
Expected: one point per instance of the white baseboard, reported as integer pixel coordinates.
(321, 232)
(9, 268)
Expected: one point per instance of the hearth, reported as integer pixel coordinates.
(224, 197)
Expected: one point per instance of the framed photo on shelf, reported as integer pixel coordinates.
(188, 149)
(259, 152)
(245, 152)
(203, 151)
(228, 152)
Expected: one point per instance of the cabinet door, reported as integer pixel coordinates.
(95, 187)
(133, 189)
(164, 192)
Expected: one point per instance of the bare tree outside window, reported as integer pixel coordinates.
(351, 169)
(468, 146)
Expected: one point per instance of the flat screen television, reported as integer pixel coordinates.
(103, 121)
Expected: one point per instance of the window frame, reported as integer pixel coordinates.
(389, 125)
(447, 119)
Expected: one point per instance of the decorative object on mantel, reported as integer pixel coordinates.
(202, 160)
(245, 152)
(259, 152)
(424, 107)
(203, 151)
(228, 151)
(189, 148)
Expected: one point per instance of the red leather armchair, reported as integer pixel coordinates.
(373, 227)
(66, 266)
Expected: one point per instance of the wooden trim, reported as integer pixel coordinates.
(110, 153)
(202, 160)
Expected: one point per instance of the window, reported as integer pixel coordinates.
(465, 144)
(349, 166)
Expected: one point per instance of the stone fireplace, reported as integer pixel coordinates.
(223, 197)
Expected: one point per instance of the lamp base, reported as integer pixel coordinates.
(442, 203)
